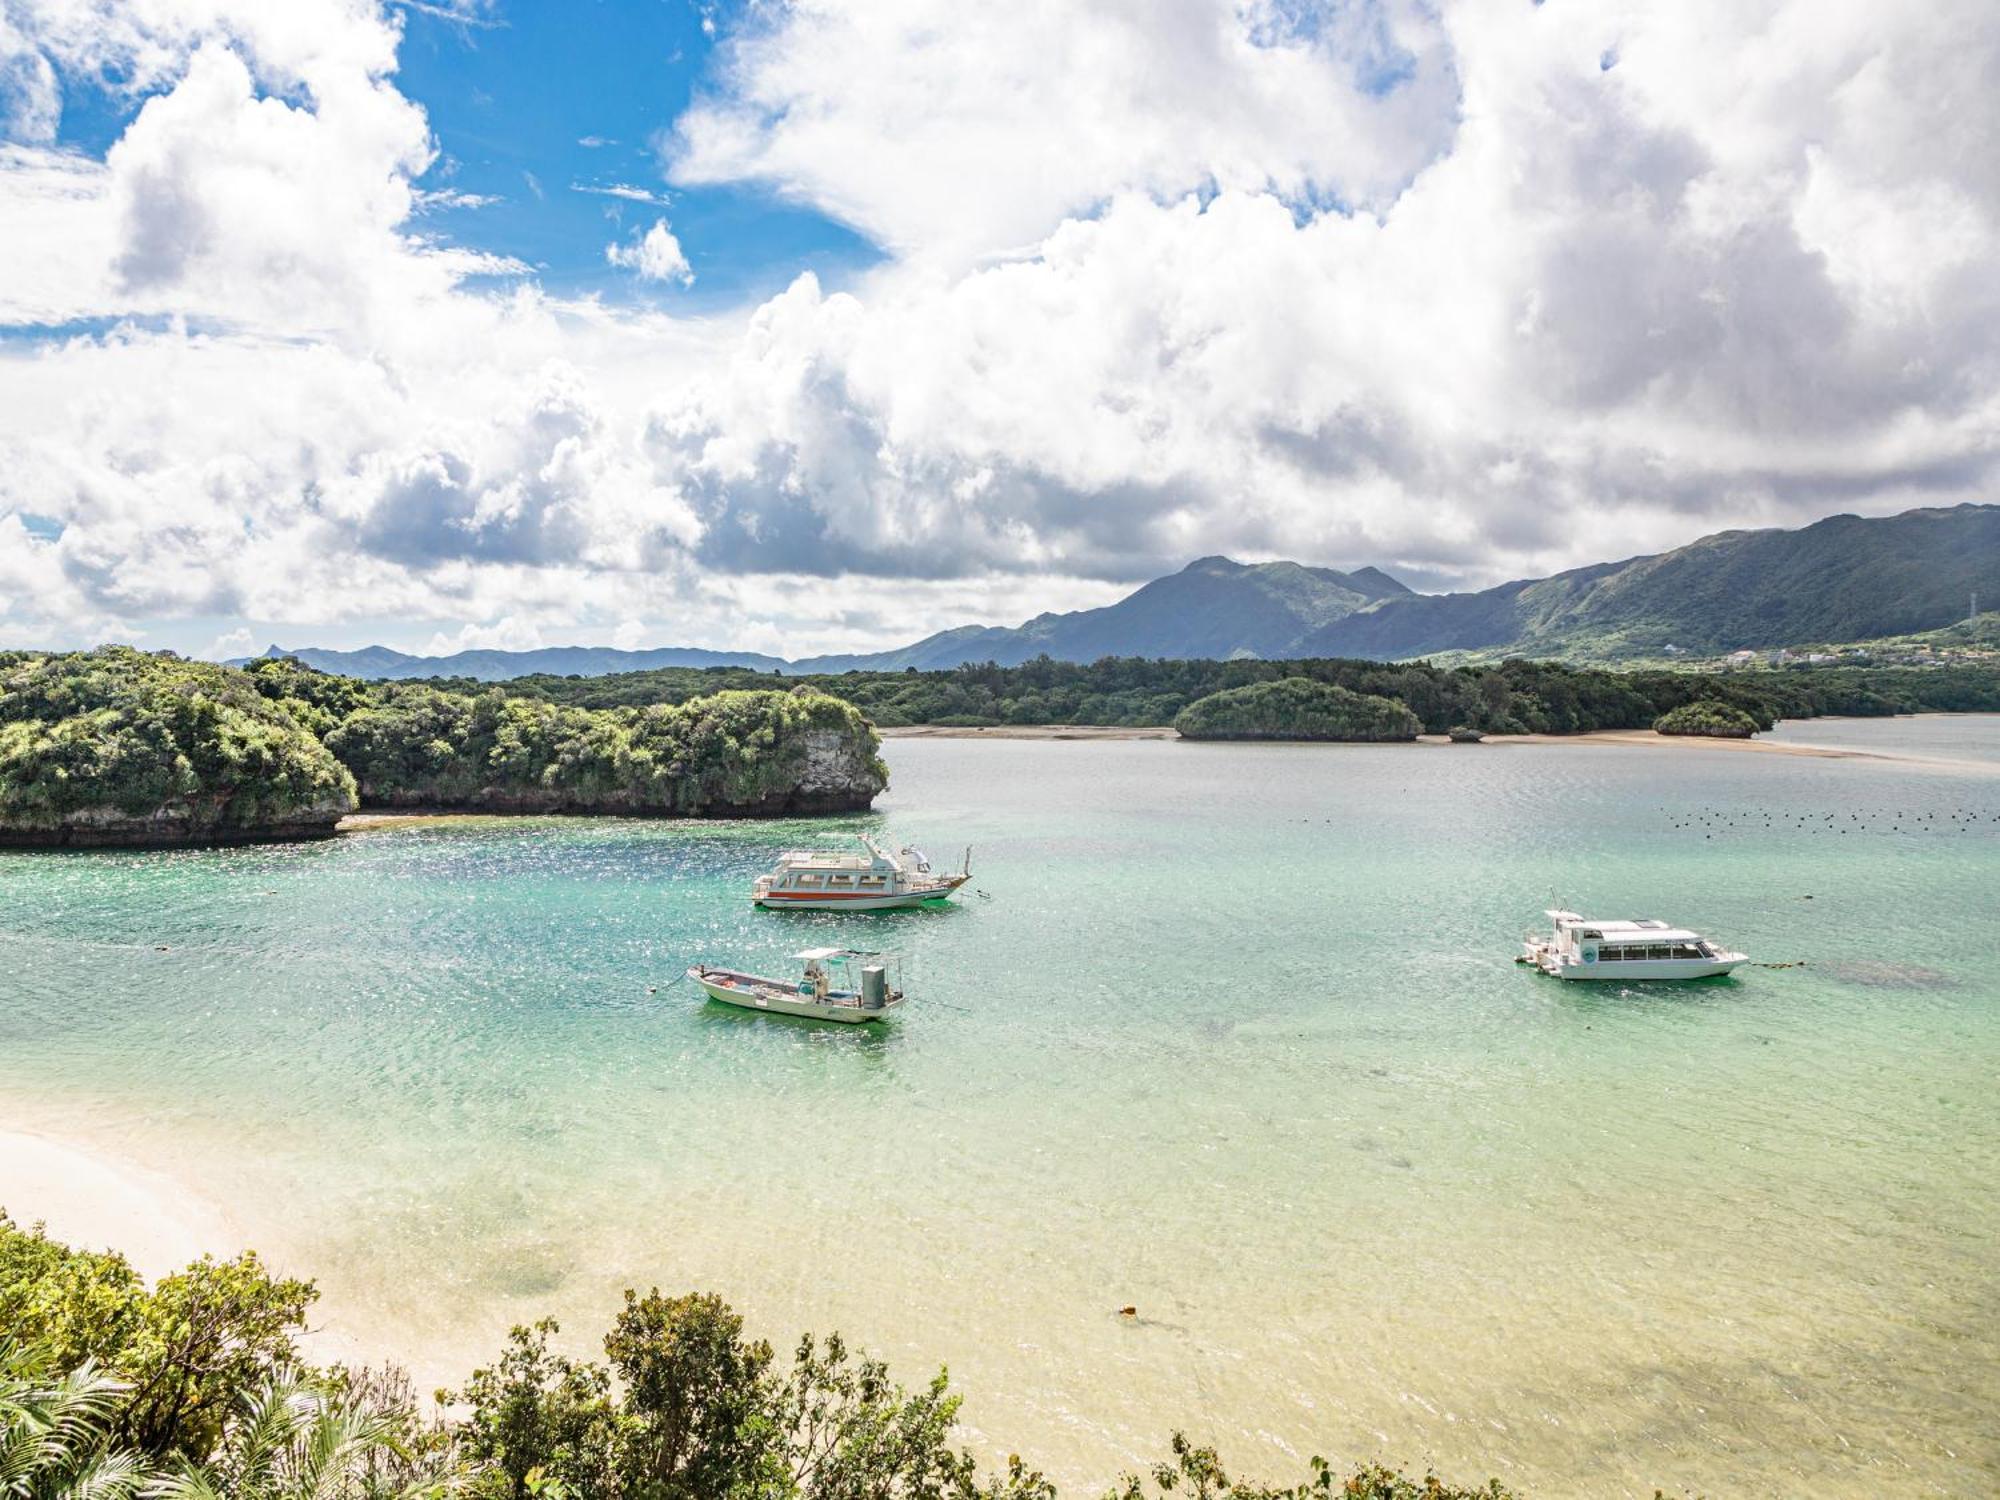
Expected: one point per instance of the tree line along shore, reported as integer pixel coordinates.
(124, 747)
(1512, 697)
(196, 1388)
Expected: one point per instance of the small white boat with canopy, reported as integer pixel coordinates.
(837, 984)
(1625, 948)
(874, 880)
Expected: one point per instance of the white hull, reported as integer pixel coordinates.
(824, 901)
(874, 881)
(1616, 950)
(1666, 968)
(750, 993)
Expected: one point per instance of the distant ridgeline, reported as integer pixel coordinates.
(120, 747)
(1847, 578)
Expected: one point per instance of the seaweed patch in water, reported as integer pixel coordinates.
(1883, 975)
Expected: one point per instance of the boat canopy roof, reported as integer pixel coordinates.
(811, 955)
(1627, 929)
(820, 859)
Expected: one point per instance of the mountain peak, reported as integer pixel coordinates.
(1379, 581)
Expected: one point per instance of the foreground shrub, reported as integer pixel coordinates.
(181, 1353)
(52, 1439)
(194, 1390)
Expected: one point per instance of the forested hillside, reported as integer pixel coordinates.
(1844, 579)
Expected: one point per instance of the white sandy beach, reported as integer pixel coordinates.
(100, 1203)
(1027, 732)
(1640, 737)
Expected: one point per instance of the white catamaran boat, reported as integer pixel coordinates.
(874, 881)
(1624, 949)
(838, 984)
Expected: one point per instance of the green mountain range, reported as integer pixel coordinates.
(1842, 579)
(1212, 610)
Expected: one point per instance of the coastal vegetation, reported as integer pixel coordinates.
(1295, 708)
(118, 746)
(1709, 718)
(783, 749)
(730, 754)
(198, 1389)
(1507, 697)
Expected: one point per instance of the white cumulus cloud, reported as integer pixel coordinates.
(655, 255)
(1472, 291)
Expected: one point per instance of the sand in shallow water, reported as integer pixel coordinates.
(96, 1202)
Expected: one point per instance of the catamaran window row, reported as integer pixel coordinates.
(1632, 953)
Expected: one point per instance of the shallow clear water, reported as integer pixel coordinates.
(1233, 1036)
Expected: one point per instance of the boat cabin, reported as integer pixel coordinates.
(870, 879)
(1625, 948)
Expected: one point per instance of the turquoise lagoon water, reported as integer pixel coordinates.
(1233, 1036)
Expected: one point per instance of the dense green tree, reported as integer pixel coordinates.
(116, 746)
(119, 746)
(1708, 717)
(756, 752)
(537, 1417)
(1296, 708)
(1509, 697)
(694, 1393)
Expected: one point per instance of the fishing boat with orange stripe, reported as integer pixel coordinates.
(807, 880)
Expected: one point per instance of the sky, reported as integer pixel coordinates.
(815, 326)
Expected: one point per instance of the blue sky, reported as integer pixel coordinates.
(966, 312)
(537, 109)
(543, 106)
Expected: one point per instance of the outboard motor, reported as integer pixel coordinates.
(874, 987)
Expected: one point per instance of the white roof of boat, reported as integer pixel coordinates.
(1629, 929)
(815, 953)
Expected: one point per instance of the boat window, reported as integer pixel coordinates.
(1610, 955)
(809, 880)
(1686, 950)
(1660, 950)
